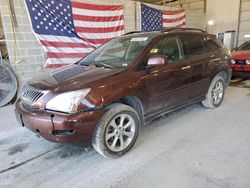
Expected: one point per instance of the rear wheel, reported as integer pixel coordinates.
(215, 94)
(117, 131)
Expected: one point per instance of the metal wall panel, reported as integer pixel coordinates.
(244, 21)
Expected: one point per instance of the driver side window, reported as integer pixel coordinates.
(169, 47)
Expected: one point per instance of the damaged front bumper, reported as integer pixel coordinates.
(58, 127)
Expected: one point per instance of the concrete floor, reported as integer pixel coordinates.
(192, 147)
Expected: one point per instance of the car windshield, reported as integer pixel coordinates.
(118, 53)
(245, 46)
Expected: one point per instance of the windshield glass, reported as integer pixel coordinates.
(117, 53)
(245, 46)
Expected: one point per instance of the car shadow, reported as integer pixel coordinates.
(240, 82)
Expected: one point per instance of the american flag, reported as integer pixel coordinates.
(155, 20)
(69, 30)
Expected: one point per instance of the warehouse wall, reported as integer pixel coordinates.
(29, 50)
(193, 5)
(230, 16)
(244, 24)
(224, 14)
(29, 53)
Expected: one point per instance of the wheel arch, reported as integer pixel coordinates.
(225, 76)
(135, 103)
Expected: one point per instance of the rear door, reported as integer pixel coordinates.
(196, 54)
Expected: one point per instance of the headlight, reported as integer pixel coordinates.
(67, 102)
(248, 62)
(233, 61)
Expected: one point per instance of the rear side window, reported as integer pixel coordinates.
(192, 45)
(210, 45)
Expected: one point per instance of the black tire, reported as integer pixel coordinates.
(115, 111)
(209, 101)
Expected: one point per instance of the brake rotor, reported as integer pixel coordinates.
(8, 85)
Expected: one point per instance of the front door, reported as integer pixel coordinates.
(166, 85)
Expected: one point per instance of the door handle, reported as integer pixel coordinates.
(186, 67)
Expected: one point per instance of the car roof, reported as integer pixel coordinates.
(167, 31)
(246, 42)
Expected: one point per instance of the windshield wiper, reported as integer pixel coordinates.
(103, 65)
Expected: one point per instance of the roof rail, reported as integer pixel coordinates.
(132, 32)
(182, 29)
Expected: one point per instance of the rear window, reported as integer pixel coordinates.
(192, 45)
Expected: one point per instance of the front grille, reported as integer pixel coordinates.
(30, 95)
(240, 62)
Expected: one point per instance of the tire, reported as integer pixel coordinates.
(110, 132)
(216, 89)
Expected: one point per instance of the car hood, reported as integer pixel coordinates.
(241, 55)
(71, 77)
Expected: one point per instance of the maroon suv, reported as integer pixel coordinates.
(106, 97)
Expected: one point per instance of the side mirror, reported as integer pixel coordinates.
(156, 60)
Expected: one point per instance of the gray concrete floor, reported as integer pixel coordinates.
(192, 147)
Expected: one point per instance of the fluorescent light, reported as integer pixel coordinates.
(247, 36)
(210, 22)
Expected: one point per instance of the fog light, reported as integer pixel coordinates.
(63, 132)
(233, 61)
(248, 62)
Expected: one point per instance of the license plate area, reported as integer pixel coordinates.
(239, 68)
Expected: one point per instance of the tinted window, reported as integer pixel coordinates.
(192, 45)
(245, 46)
(209, 45)
(168, 47)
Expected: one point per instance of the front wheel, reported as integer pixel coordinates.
(117, 131)
(215, 94)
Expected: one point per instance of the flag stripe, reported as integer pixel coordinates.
(64, 44)
(173, 16)
(96, 7)
(97, 36)
(53, 38)
(173, 12)
(83, 11)
(97, 19)
(65, 55)
(98, 24)
(174, 20)
(68, 50)
(99, 30)
(98, 42)
(178, 26)
(174, 24)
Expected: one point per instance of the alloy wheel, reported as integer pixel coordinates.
(217, 92)
(120, 132)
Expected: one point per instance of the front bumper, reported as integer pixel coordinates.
(55, 127)
(240, 70)
(241, 74)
